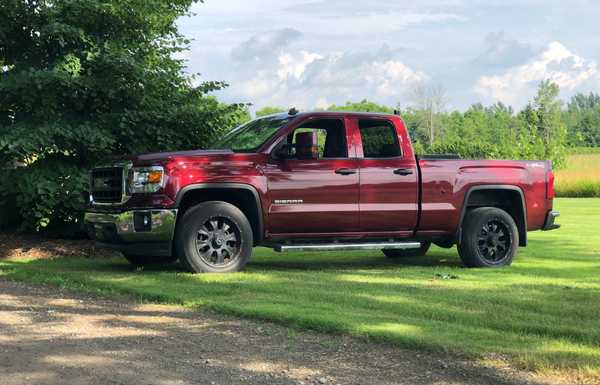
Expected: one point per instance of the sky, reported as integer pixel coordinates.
(314, 53)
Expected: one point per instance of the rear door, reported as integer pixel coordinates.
(315, 196)
(388, 197)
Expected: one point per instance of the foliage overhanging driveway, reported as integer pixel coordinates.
(540, 313)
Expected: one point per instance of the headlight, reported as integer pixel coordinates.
(146, 179)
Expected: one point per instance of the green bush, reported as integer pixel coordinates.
(48, 195)
(8, 212)
(96, 80)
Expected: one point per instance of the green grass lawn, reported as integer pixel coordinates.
(542, 313)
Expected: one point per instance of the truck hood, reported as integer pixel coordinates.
(165, 156)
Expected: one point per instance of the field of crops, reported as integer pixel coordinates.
(581, 177)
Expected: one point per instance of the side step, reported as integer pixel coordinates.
(346, 246)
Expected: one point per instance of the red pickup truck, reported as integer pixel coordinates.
(316, 181)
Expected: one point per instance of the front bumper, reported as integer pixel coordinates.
(550, 218)
(137, 232)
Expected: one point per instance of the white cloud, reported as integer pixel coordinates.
(309, 79)
(387, 76)
(322, 104)
(556, 62)
(289, 66)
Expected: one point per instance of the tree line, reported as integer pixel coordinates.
(544, 129)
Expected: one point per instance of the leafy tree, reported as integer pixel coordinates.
(412, 120)
(82, 81)
(362, 106)
(583, 120)
(550, 126)
(269, 111)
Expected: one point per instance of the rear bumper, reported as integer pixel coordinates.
(138, 232)
(550, 218)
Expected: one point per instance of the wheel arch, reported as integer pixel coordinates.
(509, 198)
(243, 196)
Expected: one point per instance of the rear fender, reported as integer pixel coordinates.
(491, 199)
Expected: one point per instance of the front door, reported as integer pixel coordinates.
(314, 190)
(388, 179)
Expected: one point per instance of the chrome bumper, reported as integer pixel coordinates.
(134, 232)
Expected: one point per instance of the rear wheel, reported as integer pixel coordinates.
(214, 237)
(489, 238)
(400, 253)
(144, 260)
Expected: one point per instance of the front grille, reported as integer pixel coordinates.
(107, 185)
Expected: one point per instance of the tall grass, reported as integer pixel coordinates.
(583, 150)
(581, 177)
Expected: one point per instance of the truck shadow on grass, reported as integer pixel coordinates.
(268, 260)
(356, 260)
(540, 257)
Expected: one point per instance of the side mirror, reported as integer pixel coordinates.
(283, 151)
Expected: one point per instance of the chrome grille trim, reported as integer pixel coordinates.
(108, 184)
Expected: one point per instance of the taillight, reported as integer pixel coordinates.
(550, 185)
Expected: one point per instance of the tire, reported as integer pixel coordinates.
(400, 253)
(214, 237)
(144, 260)
(489, 238)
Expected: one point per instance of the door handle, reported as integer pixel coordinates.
(403, 171)
(345, 171)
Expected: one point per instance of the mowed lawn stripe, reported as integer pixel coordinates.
(542, 313)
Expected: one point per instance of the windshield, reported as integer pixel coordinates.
(250, 136)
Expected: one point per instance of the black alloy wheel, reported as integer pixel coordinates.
(494, 240)
(489, 238)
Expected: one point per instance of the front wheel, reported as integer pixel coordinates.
(214, 237)
(489, 238)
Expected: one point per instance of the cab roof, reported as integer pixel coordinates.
(333, 113)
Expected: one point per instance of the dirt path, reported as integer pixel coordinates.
(52, 337)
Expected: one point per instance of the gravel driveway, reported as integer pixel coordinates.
(49, 337)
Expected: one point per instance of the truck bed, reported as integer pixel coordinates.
(446, 182)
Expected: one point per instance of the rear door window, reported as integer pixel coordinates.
(379, 139)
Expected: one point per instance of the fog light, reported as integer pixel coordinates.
(142, 221)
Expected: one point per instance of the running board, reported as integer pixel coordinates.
(347, 246)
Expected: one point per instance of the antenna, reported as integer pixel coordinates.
(293, 111)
